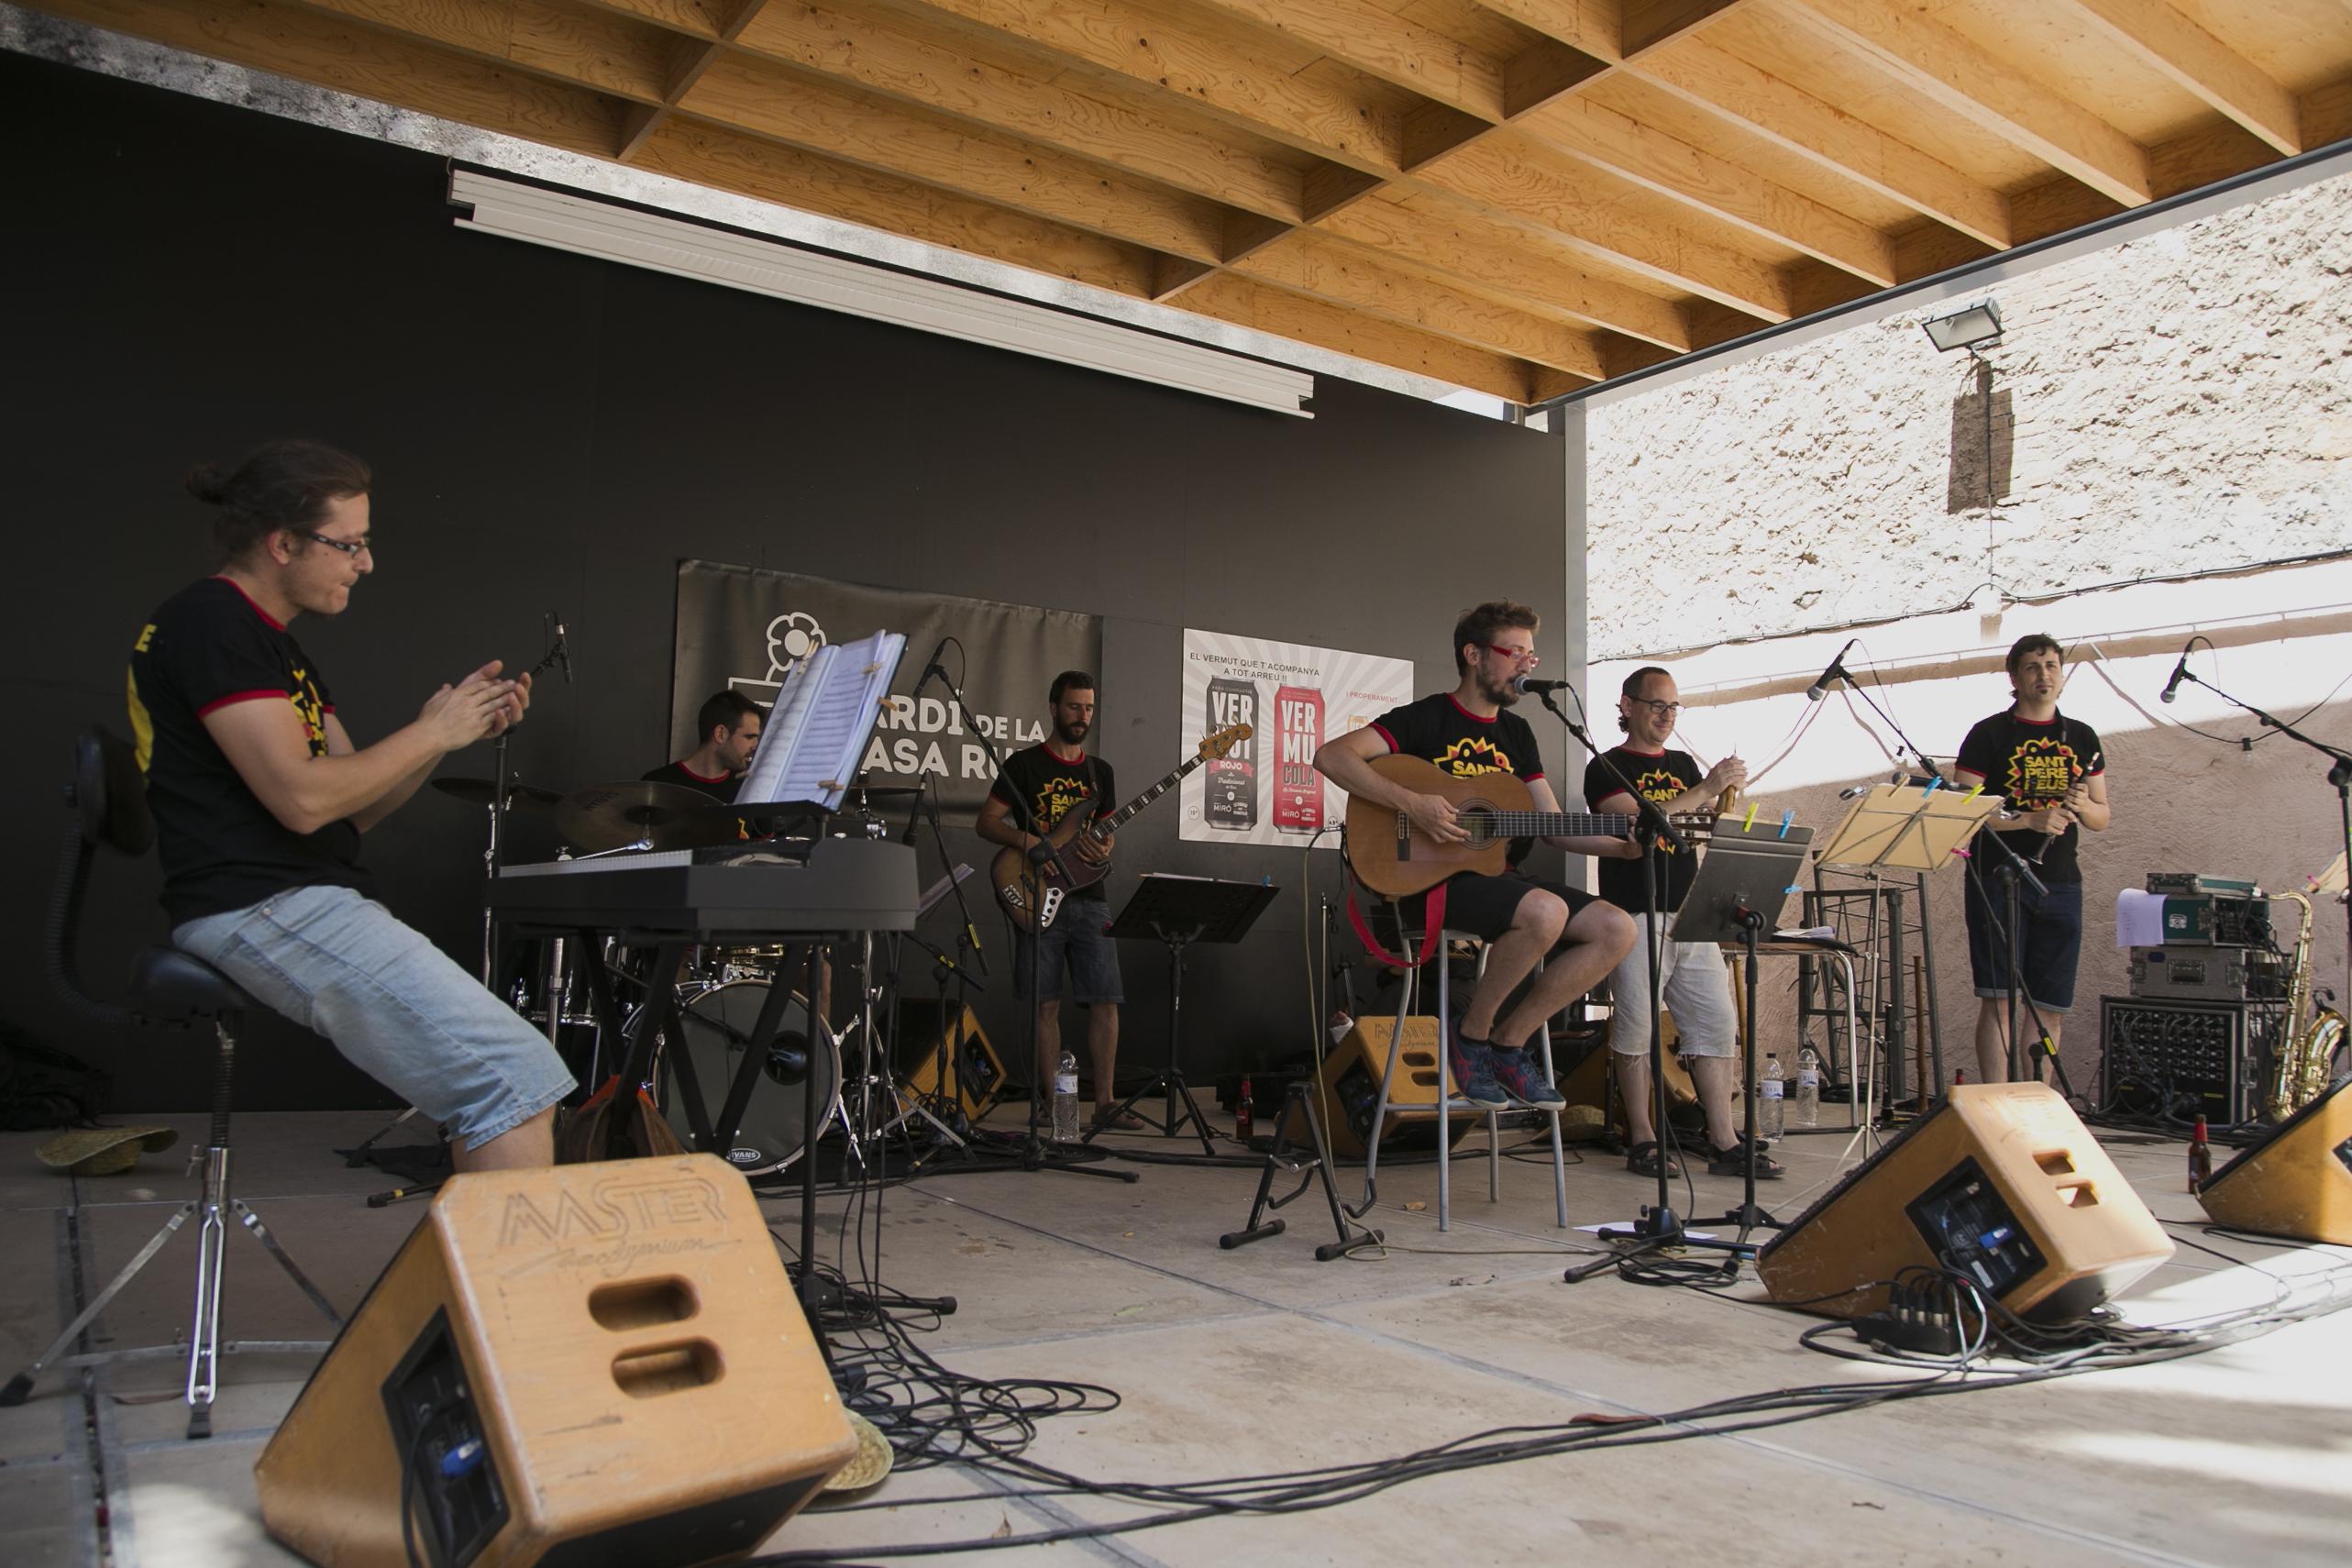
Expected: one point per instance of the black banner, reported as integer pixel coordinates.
(742, 627)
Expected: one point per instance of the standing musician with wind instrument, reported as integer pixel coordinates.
(2050, 770)
(1469, 734)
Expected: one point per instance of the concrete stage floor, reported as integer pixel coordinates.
(1262, 1359)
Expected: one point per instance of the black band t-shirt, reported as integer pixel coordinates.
(1656, 776)
(209, 647)
(722, 788)
(1048, 788)
(1439, 730)
(2031, 765)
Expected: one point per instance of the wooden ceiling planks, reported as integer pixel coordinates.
(1521, 196)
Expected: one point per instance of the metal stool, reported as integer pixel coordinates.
(1449, 1099)
(106, 804)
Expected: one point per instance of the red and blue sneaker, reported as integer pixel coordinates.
(1522, 1078)
(1473, 1064)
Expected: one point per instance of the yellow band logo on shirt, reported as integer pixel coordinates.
(1472, 756)
(1657, 786)
(2040, 772)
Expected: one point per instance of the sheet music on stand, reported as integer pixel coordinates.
(1903, 827)
(816, 734)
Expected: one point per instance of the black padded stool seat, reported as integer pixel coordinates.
(167, 981)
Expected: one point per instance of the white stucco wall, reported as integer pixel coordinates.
(2182, 403)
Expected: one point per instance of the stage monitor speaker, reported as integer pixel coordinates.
(2298, 1180)
(2001, 1182)
(1349, 1088)
(974, 1071)
(592, 1364)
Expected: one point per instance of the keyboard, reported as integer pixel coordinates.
(746, 891)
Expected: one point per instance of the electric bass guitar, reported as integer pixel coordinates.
(1031, 883)
(1390, 857)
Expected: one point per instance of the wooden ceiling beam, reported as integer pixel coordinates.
(1517, 182)
(703, 19)
(868, 51)
(1216, 73)
(1501, 263)
(732, 161)
(1796, 122)
(1989, 93)
(823, 117)
(586, 48)
(1649, 25)
(1261, 307)
(1667, 164)
(691, 56)
(1365, 37)
(1310, 263)
(2195, 61)
(329, 51)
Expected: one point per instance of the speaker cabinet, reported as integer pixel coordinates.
(2002, 1183)
(594, 1363)
(1348, 1089)
(2296, 1182)
(974, 1070)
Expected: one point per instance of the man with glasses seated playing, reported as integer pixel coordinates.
(260, 798)
(1468, 730)
(1695, 983)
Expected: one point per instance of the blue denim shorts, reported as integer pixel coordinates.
(1076, 938)
(397, 1007)
(2052, 941)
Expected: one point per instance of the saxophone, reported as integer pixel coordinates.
(2306, 1052)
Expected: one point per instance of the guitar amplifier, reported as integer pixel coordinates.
(2208, 974)
(2163, 1056)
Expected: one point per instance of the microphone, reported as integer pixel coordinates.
(930, 666)
(2179, 674)
(1527, 686)
(563, 650)
(1831, 676)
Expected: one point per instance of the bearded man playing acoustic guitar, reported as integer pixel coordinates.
(1468, 732)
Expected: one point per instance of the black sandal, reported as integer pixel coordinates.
(1733, 1162)
(1643, 1159)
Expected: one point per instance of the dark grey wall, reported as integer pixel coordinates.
(552, 431)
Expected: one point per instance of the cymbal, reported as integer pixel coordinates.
(478, 792)
(665, 816)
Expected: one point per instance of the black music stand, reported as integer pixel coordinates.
(1179, 911)
(1741, 884)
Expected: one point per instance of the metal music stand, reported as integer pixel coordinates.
(1742, 881)
(1903, 827)
(1179, 911)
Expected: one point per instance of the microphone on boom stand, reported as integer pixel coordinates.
(1831, 676)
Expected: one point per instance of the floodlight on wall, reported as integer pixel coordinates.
(591, 228)
(1970, 326)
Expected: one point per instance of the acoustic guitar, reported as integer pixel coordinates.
(1032, 884)
(1389, 857)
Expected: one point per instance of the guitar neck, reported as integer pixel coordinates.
(1548, 824)
(1113, 823)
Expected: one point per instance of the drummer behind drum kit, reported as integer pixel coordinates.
(719, 990)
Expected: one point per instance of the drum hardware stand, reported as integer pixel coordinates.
(1035, 1154)
(1297, 1101)
(926, 803)
(1178, 911)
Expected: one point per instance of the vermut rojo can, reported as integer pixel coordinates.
(1297, 787)
(1230, 792)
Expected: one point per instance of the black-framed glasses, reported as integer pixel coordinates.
(353, 548)
(1664, 709)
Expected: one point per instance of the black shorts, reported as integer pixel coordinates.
(1483, 905)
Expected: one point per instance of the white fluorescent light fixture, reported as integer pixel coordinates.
(590, 227)
(1968, 327)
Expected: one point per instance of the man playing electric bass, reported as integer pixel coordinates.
(1465, 733)
(1048, 781)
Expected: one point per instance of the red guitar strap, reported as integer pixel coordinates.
(1433, 922)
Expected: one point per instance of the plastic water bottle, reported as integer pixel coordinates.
(1807, 1110)
(1771, 1107)
(1065, 1099)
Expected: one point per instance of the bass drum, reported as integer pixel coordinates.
(717, 1025)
